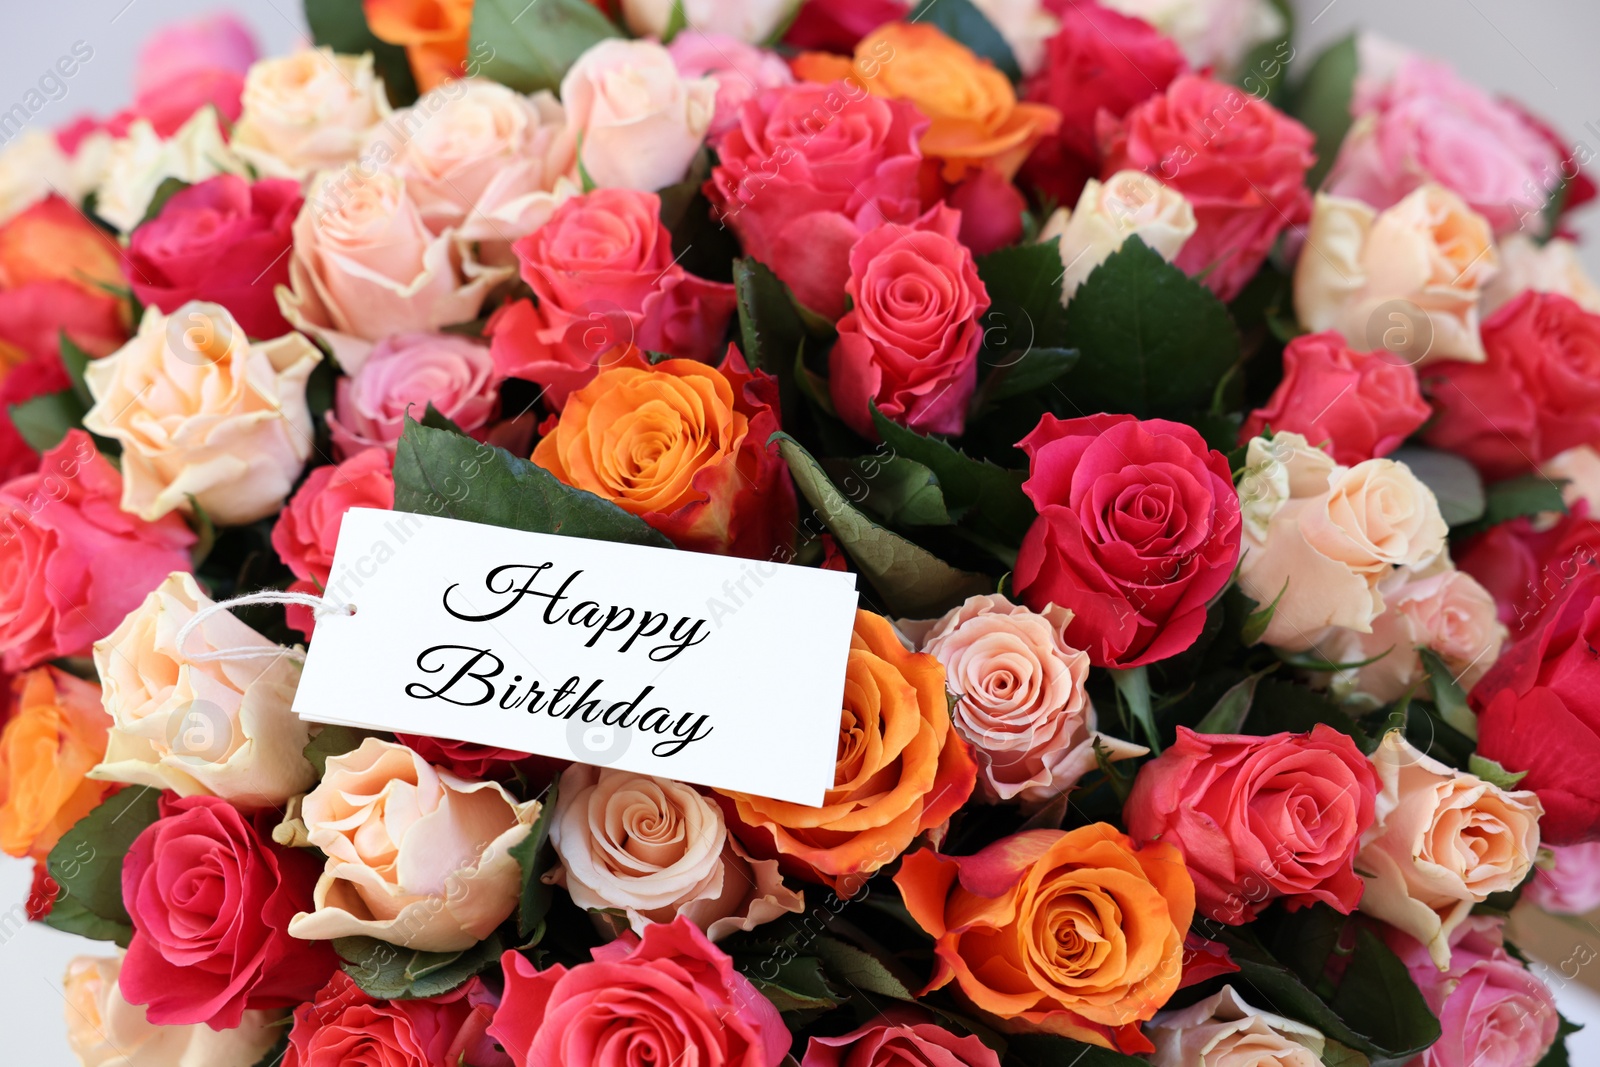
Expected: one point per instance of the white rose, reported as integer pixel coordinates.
(1211, 33)
(32, 167)
(751, 21)
(308, 111)
(139, 162)
(1129, 202)
(1580, 468)
(1224, 1031)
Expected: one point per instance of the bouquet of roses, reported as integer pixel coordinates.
(1213, 430)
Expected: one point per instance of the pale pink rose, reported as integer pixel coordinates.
(1129, 202)
(1444, 841)
(308, 111)
(640, 122)
(1553, 267)
(366, 265)
(417, 856)
(1571, 884)
(741, 71)
(1580, 468)
(185, 49)
(657, 849)
(1020, 699)
(402, 375)
(1211, 33)
(745, 21)
(1224, 1031)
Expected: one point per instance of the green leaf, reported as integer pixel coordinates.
(1154, 341)
(1133, 687)
(677, 22)
(87, 864)
(962, 21)
(76, 361)
(1448, 698)
(1491, 771)
(1515, 498)
(795, 984)
(1047, 1050)
(1262, 71)
(858, 969)
(1454, 481)
(334, 740)
(900, 491)
(169, 188)
(586, 182)
(1025, 313)
(205, 533)
(390, 972)
(440, 473)
(1227, 716)
(912, 581)
(44, 421)
(434, 419)
(342, 26)
(1033, 370)
(1337, 1055)
(1281, 706)
(990, 497)
(1256, 623)
(1324, 103)
(530, 46)
(534, 855)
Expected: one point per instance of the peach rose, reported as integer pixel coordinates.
(1406, 279)
(204, 416)
(902, 770)
(1444, 841)
(1553, 267)
(638, 122)
(416, 856)
(366, 265)
(1223, 1031)
(978, 122)
(209, 728)
(749, 21)
(139, 162)
(308, 111)
(53, 737)
(1127, 203)
(104, 1030)
(1319, 538)
(1073, 932)
(657, 849)
(1580, 468)
(1020, 700)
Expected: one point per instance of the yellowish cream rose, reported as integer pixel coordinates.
(31, 168)
(139, 162)
(1223, 1031)
(1580, 468)
(1108, 213)
(308, 111)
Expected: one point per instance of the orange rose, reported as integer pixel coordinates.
(683, 446)
(56, 733)
(52, 241)
(1075, 932)
(902, 770)
(977, 119)
(434, 34)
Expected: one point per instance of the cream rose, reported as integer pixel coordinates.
(1020, 700)
(1553, 267)
(31, 168)
(1223, 1031)
(139, 162)
(308, 111)
(637, 122)
(219, 728)
(1580, 468)
(1443, 841)
(417, 856)
(657, 849)
(751, 21)
(1407, 279)
(104, 1030)
(1127, 203)
(203, 413)
(1211, 33)
(366, 265)
(1331, 541)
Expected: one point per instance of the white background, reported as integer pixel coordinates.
(1540, 52)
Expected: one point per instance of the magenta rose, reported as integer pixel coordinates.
(899, 1039)
(403, 375)
(811, 168)
(211, 897)
(671, 998)
(1240, 162)
(1138, 529)
(72, 562)
(909, 343)
(225, 241)
(344, 1027)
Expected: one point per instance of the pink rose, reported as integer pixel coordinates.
(344, 1027)
(72, 562)
(184, 50)
(808, 170)
(1571, 885)
(1493, 1011)
(1240, 163)
(668, 997)
(404, 374)
(899, 1039)
(211, 897)
(1259, 818)
(909, 343)
(741, 71)
(991, 211)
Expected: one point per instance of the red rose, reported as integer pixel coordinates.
(211, 898)
(910, 342)
(1240, 162)
(1100, 60)
(671, 998)
(808, 170)
(605, 277)
(344, 1027)
(899, 1039)
(1536, 394)
(1539, 711)
(1525, 568)
(1138, 529)
(1259, 818)
(72, 562)
(1358, 405)
(836, 25)
(224, 241)
(469, 760)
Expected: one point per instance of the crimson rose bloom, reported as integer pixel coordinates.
(899, 1039)
(1539, 711)
(1536, 395)
(72, 562)
(469, 760)
(670, 998)
(1259, 818)
(211, 898)
(1362, 404)
(910, 343)
(1240, 162)
(1138, 529)
(343, 1027)
(836, 25)
(221, 240)
(1525, 568)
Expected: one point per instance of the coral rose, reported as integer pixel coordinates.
(1128, 203)
(54, 241)
(899, 1039)
(1223, 1030)
(343, 1026)
(307, 530)
(308, 111)
(901, 771)
(683, 446)
(404, 374)
(54, 734)
(1099, 921)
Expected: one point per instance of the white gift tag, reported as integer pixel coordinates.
(714, 670)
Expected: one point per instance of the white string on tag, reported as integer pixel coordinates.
(319, 608)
